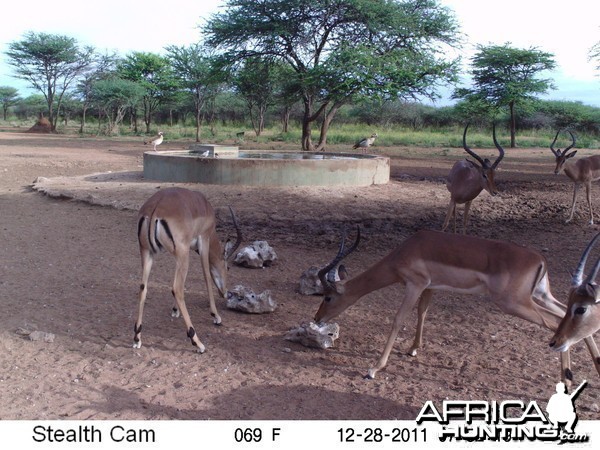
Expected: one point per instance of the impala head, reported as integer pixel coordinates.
(582, 318)
(486, 167)
(220, 264)
(334, 301)
(561, 156)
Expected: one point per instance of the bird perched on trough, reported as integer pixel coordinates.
(156, 140)
(365, 143)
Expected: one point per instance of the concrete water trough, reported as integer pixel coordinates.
(213, 164)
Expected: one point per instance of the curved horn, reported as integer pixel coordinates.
(554, 142)
(342, 253)
(468, 150)
(591, 278)
(572, 143)
(232, 249)
(500, 149)
(577, 279)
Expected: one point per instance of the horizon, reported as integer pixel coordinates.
(534, 25)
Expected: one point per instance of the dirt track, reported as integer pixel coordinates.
(72, 268)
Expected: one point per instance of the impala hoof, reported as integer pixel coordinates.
(137, 344)
(371, 374)
(175, 313)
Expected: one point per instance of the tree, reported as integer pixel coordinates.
(594, 54)
(9, 96)
(258, 83)
(507, 76)
(114, 96)
(154, 74)
(103, 67)
(50, 63)
(194, 68)
(342, 50)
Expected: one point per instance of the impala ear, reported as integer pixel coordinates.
(591, 290)
(342, 272)
(570, 155)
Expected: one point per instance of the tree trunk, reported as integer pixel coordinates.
(513, 125)
(325, 126)
(285, 119)
(307, 145)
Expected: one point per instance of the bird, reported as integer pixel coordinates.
(205, 154)
(156, 140)
(365, 143)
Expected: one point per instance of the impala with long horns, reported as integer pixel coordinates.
(582, 318)
(179, 220)
(467, 179)
(514, 278)
(581, 171)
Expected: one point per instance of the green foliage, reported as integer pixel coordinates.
(113, 96)
(340, 51)
(9, 96)
(154, 73)
(50, 63)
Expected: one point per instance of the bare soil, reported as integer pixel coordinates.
(69, 265)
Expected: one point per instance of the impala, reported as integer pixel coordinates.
(581, 171)
(582, 318)
(467, 179)
(514, 278)
(179, 220)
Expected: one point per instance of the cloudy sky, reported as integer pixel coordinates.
(568, 30)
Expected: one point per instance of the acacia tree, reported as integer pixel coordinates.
(114, 96)
(594, 54)
(194, 68)
(258, 82)
(341, 50)
(9, 96)
(507, 76)
(50, 63)
(103, 67)
(152, 72)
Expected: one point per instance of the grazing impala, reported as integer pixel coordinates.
(581, 171)
(180, 220)
(582, 318)
(514, 277)
(467, 179)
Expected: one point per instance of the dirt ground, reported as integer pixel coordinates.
(69, 265)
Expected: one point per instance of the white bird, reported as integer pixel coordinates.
(157, 140)
(205, 154)
(365, 143)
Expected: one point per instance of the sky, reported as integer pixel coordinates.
(567, 30)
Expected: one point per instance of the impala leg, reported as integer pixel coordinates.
(566, 374)
(593, 349)
(422, 312)
(146, 267)
(181, 270)
(466, 216)
(451, 212)
(575, 189)
(411, 296)
(203, 248)
(588, 193)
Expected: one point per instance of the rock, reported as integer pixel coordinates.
(310, 283)
(244, 299)
(36, 335)
(257, 255)
(313, 335)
